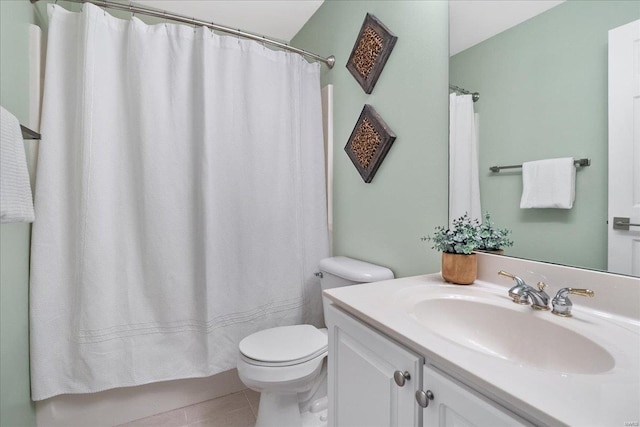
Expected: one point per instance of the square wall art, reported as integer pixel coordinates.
(370, 52)
(369, 143)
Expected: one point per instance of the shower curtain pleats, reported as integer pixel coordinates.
(180, 201)
(464, 179)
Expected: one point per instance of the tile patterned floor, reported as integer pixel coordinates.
(233, 410)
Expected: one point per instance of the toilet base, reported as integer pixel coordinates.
(307, 409)
(318, 414)
(278, 410)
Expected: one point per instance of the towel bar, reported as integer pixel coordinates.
(578, 162)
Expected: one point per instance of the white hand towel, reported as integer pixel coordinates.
(548, 184)
(16, 202)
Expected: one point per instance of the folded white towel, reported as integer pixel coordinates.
(16, 202)
(548, 184)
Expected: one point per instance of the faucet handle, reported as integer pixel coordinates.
(518, 293)
(506, 274)
(582, 292)
(561, 302)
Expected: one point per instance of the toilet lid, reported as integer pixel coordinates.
(284, 344)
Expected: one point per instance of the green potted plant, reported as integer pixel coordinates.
(459, 263)
(493, 239)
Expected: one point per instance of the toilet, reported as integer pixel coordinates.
(287, 364)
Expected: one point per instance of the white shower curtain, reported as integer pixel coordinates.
(464, 183)
(180, 201)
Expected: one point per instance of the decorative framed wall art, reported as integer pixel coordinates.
(369, 143)
(370, 52)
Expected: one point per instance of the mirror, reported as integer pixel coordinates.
(543, 94)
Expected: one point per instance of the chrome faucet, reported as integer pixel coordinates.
(562, 304)
(522, 293)
(539, 299)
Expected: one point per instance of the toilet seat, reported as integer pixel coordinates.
(284, 346)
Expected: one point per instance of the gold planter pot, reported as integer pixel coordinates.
(459, 269)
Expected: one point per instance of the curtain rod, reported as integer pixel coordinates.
(330, 61)
(474, 95)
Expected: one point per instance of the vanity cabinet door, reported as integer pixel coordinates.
(362, 388)
(455, 405)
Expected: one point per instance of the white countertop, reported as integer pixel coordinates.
(611, 398)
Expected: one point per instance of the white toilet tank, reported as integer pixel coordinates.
(343, 271)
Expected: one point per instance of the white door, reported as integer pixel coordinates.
(362, 365)
(624, 149)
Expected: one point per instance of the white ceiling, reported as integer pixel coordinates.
(473, 21)
(279, 19)
(470, 21)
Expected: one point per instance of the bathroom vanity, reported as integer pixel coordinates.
(420, 352)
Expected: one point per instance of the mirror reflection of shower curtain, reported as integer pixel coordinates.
(180, 201)
(464, 183)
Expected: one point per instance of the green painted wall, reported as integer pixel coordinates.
(382, 222)
(543, 94)
(16, 408)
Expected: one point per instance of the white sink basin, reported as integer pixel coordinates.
(516, 334)
(547, 366)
